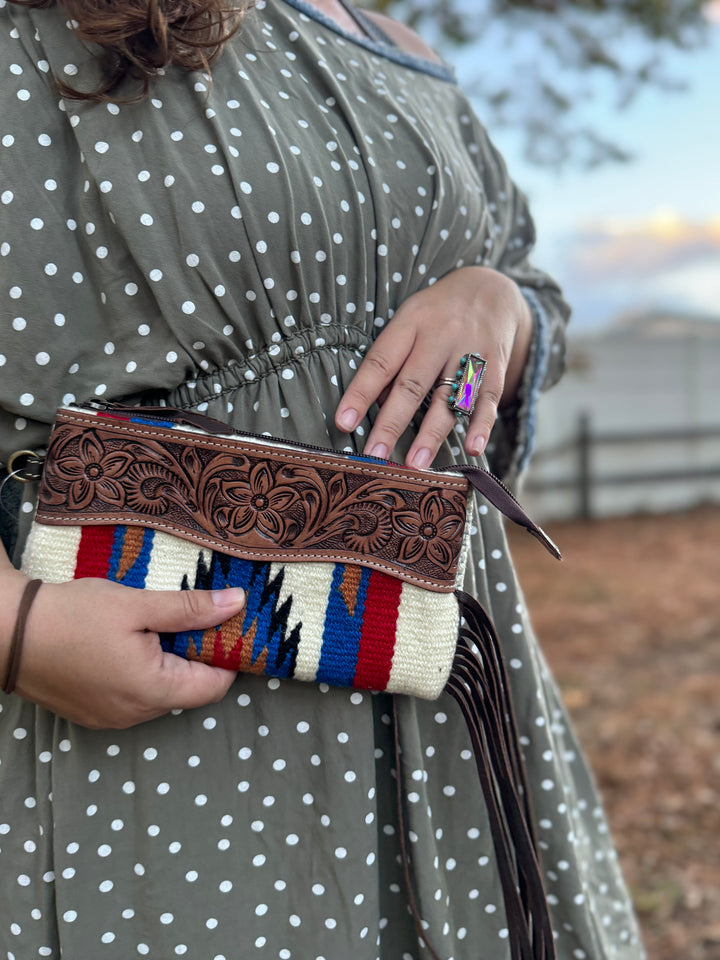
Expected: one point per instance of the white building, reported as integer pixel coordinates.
(649, 388)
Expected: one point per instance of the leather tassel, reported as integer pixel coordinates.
(478, 682)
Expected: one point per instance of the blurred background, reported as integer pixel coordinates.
(608, 114)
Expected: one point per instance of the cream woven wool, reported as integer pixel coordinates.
(427, 636)
(297, 596)
(51, 551)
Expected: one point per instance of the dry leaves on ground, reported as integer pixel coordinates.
(630, 623)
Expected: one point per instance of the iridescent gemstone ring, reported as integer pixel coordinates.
(465, 386)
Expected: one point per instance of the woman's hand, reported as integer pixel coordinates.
(471, 310)
(92, 652)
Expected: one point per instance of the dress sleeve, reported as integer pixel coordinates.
(512, 439)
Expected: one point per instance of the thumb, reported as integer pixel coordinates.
(169, 611)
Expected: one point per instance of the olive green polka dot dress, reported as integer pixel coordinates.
(233, 247)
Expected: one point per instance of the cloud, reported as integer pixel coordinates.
(616, 250)
(712, 11)
(662, 261)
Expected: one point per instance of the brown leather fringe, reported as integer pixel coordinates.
(478, 682)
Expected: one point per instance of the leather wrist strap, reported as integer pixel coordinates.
(18, 637)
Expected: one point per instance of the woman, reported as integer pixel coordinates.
(237, 243)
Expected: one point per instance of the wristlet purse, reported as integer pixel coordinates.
(351, 567)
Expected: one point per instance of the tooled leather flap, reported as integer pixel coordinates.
(253, 500)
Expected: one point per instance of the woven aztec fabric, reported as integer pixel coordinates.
(341, 624)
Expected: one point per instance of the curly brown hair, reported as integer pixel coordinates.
(138, 38)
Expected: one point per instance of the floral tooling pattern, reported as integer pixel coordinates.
(258, 501)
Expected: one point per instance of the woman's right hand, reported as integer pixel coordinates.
(92, 652)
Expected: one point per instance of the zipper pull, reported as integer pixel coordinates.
(500, 497)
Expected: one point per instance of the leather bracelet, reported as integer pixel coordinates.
(18, 637)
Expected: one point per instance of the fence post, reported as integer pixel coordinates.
(584, 466)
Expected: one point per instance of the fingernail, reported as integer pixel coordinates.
(348, 419)
(230, 597)
(378, 450)
(475, 446)
(421, 459)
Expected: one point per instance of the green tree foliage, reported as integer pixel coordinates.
(536, 63)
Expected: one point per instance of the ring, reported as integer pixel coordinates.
(445, 382)
(466, 384)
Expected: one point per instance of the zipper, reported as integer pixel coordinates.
(190, 419)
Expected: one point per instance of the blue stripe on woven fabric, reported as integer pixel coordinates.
(231, 572)
(368, 459)
(152, 423)
(135, 577)
(341, 634)
(262, 608)
(137, 572)
(118, 540)
(178, 643)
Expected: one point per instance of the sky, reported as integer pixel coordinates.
(641, 235)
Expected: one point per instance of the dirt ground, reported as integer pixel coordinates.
(630, 622)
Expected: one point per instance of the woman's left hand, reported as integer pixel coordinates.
(471, 310)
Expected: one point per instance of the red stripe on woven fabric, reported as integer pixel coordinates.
(93, 556)
(377, 640)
